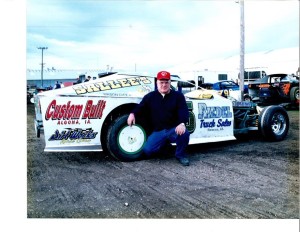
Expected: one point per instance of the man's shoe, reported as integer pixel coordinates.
(184, 161)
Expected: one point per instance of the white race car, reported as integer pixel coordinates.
(92, 116)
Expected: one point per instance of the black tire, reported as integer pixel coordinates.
(273, 123)
(37, 130)
(294, 94)
(129, 149)
(247, 98)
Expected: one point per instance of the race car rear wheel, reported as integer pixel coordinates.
(125, 143)
(274, 123)
(247, 98)
(294, 94)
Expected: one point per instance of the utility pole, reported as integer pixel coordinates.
(42, 64)
(242, 48)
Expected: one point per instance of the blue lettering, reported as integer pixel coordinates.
(204, 124)
(73, 134)
(213, 111)
(222, 123)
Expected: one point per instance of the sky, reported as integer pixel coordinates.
(149, 36)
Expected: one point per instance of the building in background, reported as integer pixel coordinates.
(209, 70)
(50, 76)
(256, 65)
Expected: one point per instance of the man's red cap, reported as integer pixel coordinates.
(163, 75)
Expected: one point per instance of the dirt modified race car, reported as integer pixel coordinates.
(276, 89)
(92, 116)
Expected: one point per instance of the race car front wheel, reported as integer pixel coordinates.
(125, 143)
(37, 129)
(273, 123)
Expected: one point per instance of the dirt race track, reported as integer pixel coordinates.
(247, 178)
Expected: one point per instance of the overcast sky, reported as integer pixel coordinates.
(148, 36)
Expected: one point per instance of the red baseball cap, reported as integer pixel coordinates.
(163, 75)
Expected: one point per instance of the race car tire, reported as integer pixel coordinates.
(273, 123)
(294, 94)
(247, 98)
(37, 130)
(125, 143)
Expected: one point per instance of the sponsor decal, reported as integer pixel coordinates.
(111, 84)
(116, 94)
(76, 135)
(214, 118)
(71, 113)
(242, 104)
(143, 89)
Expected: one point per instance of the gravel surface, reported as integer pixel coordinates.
(248, 178)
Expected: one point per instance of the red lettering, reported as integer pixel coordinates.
(93, 111)
(87, 109)
(66, 111)
(49, 111)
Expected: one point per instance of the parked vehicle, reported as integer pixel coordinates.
(275, 89)
(92, 116)
(225, 87)
(30, 92)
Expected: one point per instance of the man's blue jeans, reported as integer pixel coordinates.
(158, 139)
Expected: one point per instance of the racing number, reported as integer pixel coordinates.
(225, 92)
(191, 125)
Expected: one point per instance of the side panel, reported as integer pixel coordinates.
(211, 120)
(74, 123)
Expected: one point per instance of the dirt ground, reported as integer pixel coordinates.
(248, 178)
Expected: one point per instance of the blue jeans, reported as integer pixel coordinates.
(158, 139)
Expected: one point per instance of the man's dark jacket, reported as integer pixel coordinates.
(163, 112)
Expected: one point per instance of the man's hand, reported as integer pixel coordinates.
(131, 119)
(180, 129)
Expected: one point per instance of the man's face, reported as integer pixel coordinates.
(163, 86)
